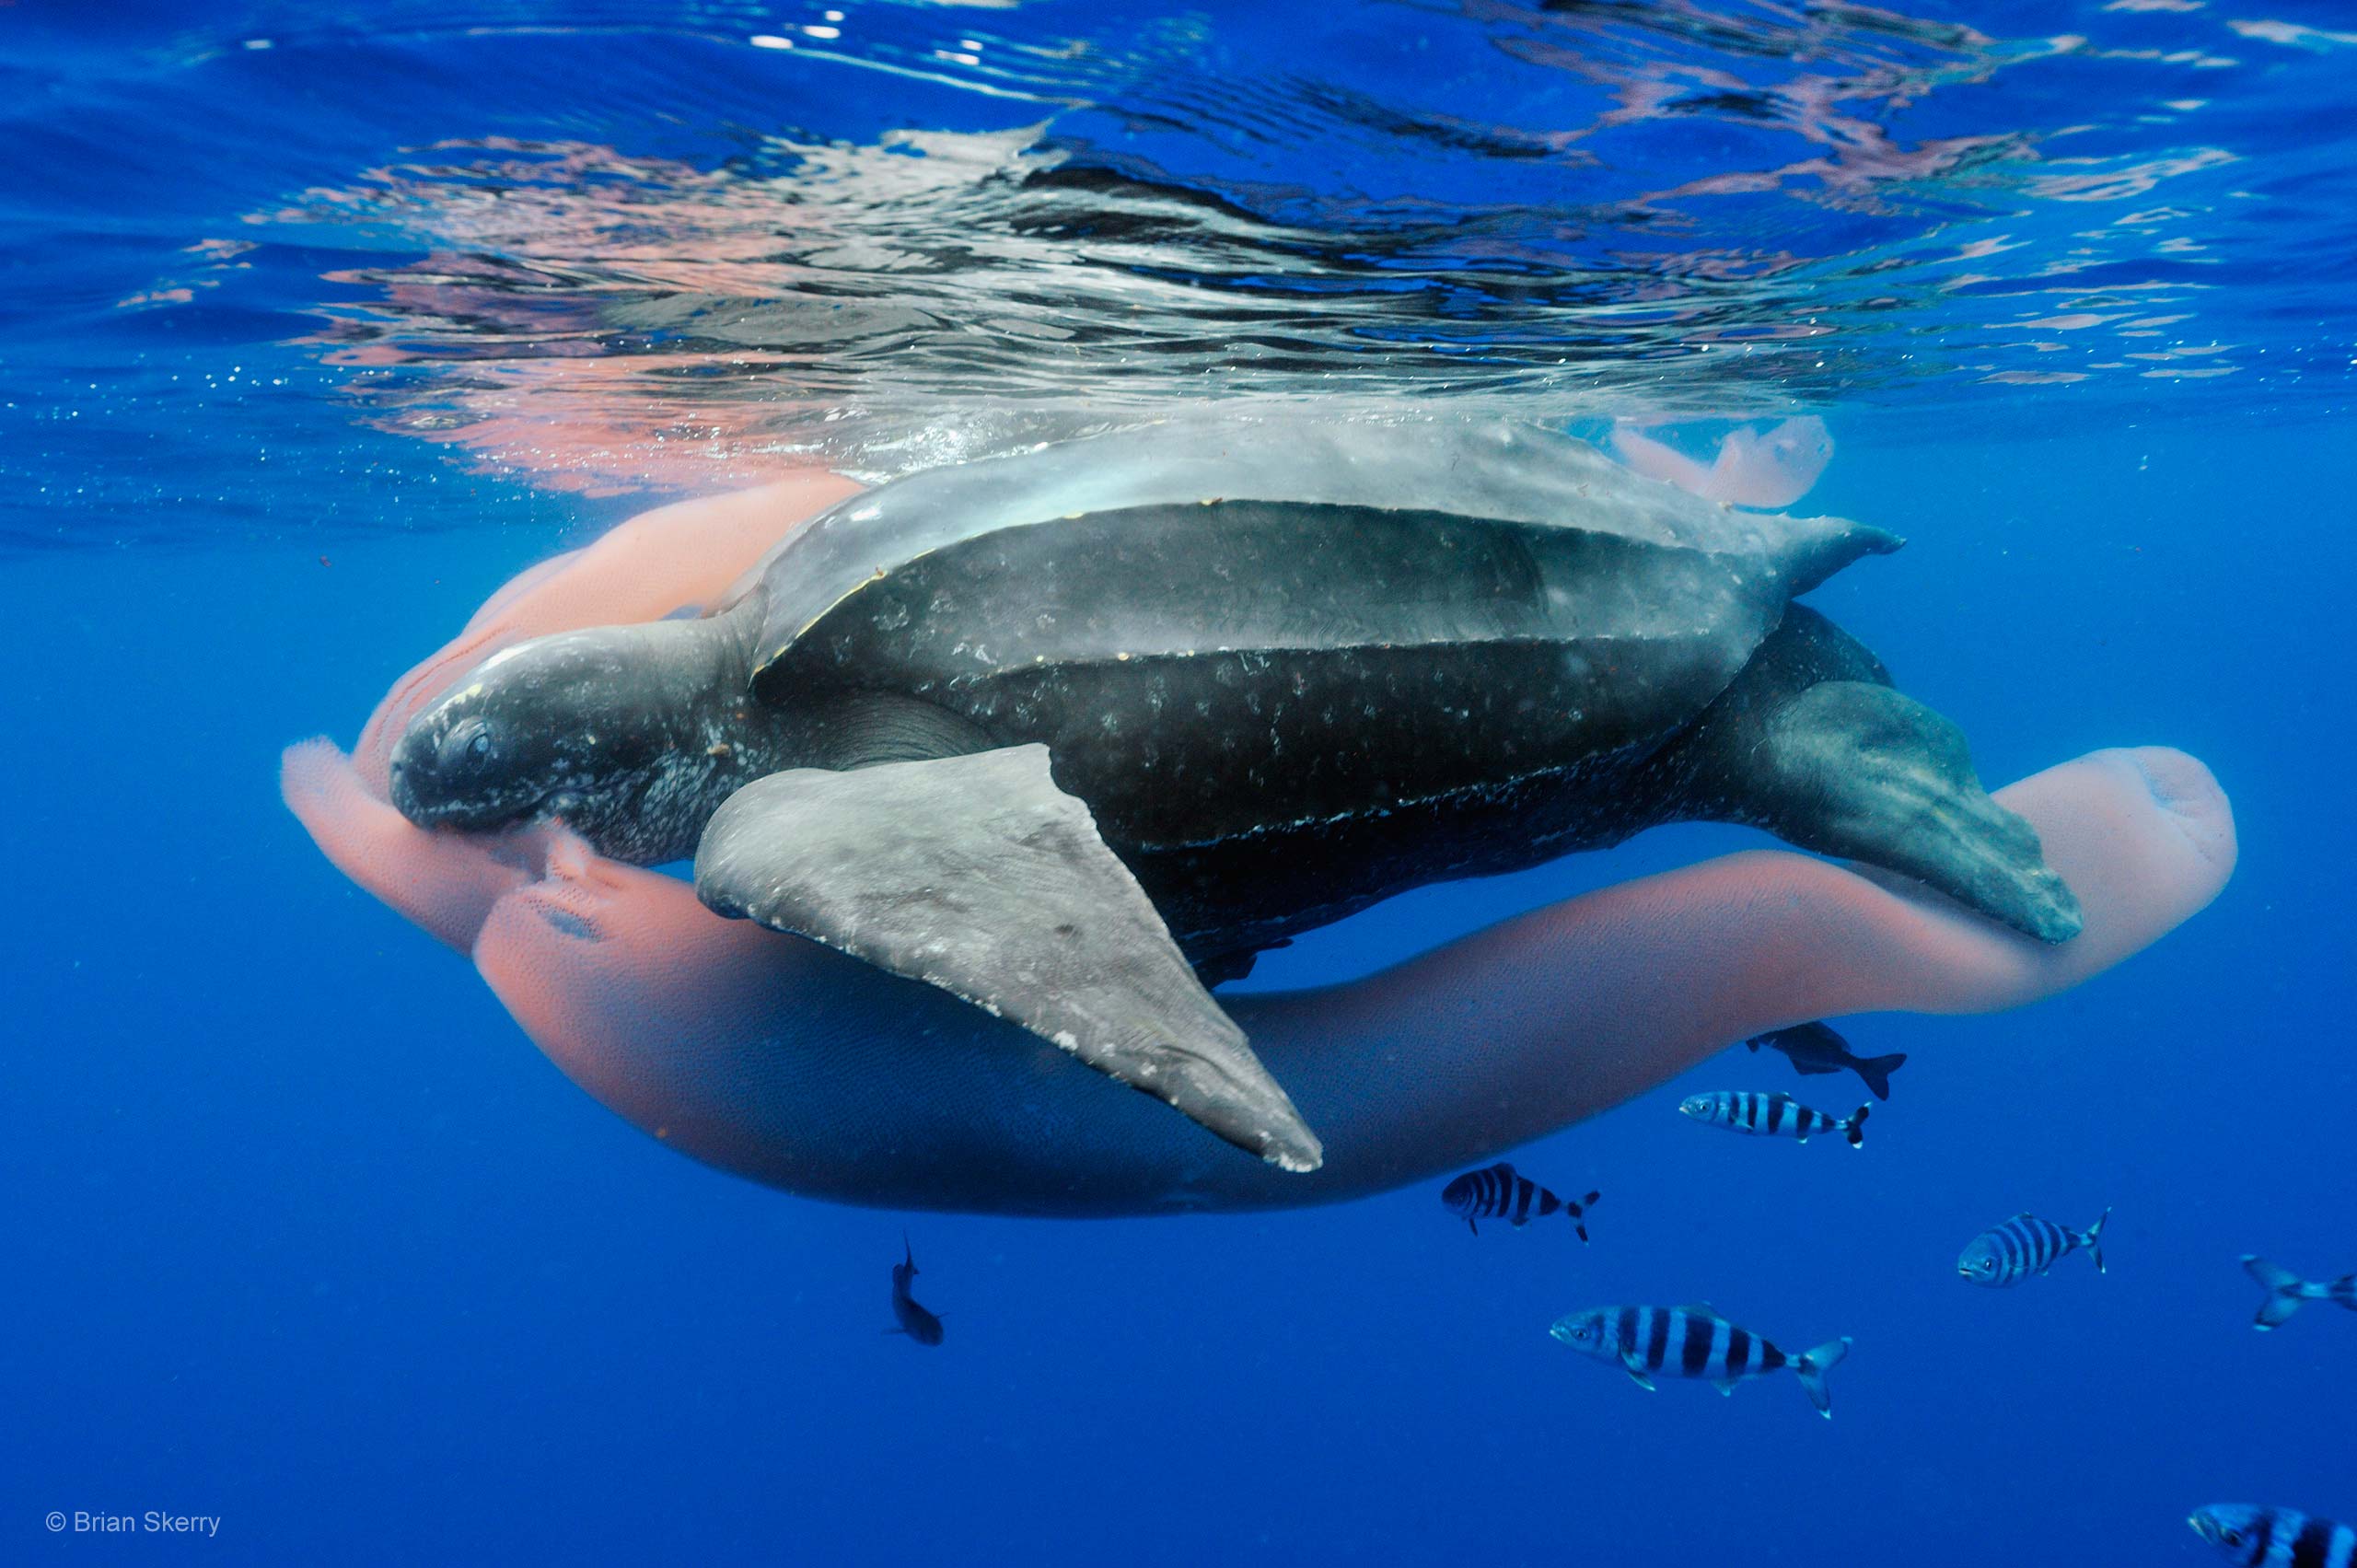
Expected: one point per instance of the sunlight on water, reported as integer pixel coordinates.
(1580, 208)
(893, 235)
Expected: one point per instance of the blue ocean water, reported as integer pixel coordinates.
(325, 320)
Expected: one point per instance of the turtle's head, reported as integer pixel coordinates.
(593, 726)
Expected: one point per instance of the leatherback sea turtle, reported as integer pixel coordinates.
(1075, 732)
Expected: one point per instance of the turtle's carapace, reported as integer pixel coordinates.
(1164, 697)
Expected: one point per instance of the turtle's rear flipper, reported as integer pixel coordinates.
(1851, 768)
(978, 874)
(1812, 744)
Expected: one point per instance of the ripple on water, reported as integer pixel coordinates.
(888, 235)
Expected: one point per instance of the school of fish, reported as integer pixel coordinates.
(1696, 1342)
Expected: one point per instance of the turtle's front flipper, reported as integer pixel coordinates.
(978, 874)
(1812, 744)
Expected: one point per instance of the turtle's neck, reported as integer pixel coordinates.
(701, 732)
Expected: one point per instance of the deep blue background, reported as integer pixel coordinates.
(304, 1234)
(308, 1236)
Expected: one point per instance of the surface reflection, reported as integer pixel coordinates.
(1581, 208)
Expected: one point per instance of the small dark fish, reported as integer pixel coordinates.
(1742, 1111)
(1692, 1341)
(2286, 1290)
(2275, 1537)
(914, 1321)
(1498, 1192)
(2026, 1245)
(1814, 1049)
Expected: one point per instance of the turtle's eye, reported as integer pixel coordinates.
(2230, 1538)
(468, 752)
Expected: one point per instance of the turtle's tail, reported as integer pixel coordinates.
(1822, 546)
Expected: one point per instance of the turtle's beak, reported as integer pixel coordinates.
(402, 780)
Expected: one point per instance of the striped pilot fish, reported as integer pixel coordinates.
(2026, 1245)
(2286, 1290)
(1772, 1115)
(1499, 1192)
(2274, 1537)
(1692, 1341)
